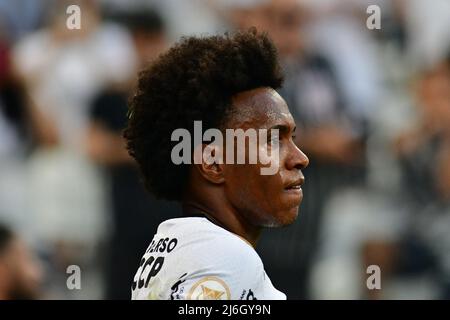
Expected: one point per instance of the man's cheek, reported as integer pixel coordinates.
(269, 159)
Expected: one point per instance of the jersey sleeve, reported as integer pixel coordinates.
(218, 270)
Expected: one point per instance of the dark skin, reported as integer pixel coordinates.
(237, 196)
(20, 272)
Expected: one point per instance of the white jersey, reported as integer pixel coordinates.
(193, 259)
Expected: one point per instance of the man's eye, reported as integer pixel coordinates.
(293, 137)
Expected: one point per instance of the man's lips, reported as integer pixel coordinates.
(294, 190)
(295, 185)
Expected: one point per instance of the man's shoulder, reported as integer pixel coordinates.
(201, 237)
(196, 259)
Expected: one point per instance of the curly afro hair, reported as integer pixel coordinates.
(194, 80)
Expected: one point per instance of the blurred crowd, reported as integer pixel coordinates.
(372, 109)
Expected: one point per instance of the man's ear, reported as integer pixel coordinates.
(208, 160)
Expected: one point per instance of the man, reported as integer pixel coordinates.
(226, 82)
(20, 274)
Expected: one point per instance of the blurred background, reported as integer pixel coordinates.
(373, 114)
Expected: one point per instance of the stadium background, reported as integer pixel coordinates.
(372, 108)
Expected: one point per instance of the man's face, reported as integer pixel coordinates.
(266, 200)
(21, 271)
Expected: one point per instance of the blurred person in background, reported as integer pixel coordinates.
(423, 148)
(401, 227)
(23, 127)
(20, 272)
(423, 151)
(62, 69)
(21, 130)
(383, 224)
(14, 142)
(135, 215)
(357, 227)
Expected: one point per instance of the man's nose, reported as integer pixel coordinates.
(297, 159)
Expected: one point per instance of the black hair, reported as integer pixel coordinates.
(194, 80)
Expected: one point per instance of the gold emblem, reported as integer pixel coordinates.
(209, 288)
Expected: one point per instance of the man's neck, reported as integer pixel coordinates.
(222, 214)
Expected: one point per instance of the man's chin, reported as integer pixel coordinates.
(291, 217)
(284, 219)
